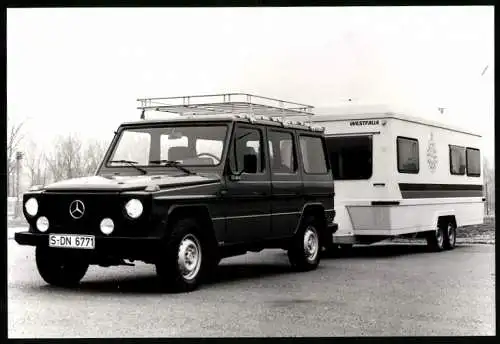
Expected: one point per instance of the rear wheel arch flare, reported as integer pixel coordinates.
(316, 210)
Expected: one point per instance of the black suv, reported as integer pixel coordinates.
(184, 193)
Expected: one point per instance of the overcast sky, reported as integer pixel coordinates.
(81, 70)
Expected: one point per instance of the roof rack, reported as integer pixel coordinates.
(225, 103)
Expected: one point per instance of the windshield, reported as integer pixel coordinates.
(184, 145)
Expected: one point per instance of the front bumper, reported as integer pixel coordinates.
(120, 246)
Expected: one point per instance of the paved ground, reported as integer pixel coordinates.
(387, 290)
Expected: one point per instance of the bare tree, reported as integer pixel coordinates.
(72, 158)
(14, 137)
(65, 161)
(489, 185)
(93, 155)
(35, 163)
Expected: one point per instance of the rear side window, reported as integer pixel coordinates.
(313, 155)
(473, 158)
(407, 150)
(457, 160)
(281, 152)
(350, 157)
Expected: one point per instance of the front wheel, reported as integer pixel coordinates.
(60, 267)
(304, 251)
(179, 266)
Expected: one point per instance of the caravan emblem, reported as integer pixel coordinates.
(432, 159)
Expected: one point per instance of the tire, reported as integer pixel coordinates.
(304, 251)
(435, 239)
(182, 263)
(450, 237)
(60, 267)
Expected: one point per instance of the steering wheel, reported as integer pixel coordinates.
(210, 155)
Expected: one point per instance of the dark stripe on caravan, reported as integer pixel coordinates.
(385, 203)
(440, 190)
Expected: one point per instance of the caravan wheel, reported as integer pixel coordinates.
(435, 239)
(450, 235)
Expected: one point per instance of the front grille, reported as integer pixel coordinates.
(55, 206)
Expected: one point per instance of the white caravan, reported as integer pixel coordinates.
(397, 175)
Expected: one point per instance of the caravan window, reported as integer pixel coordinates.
(473, 162)
(457, 160)
(407, 150)
(350, 157)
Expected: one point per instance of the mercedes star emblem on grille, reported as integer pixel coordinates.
(76, 209)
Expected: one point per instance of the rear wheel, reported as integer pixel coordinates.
(435, 239)
(60, 267)
(450, 237)
(304, 251)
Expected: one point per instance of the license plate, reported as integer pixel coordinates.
(72, 241)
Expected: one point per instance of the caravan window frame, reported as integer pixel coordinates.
(451, 161)
(417, 171)
(467, 149)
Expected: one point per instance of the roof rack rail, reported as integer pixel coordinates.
(225, 103)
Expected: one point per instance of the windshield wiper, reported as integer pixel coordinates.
(172, 163)
(130, 163)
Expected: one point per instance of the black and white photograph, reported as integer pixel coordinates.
(220, 172)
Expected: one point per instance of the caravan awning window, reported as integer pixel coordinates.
(350, 157)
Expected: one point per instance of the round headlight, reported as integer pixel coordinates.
(31, 206)
(134, 208)
(107, 226)
(42, 224)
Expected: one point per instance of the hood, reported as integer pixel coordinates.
(128, 183)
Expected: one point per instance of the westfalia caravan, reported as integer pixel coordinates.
(397, 175)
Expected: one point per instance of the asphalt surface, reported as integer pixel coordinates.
(388, 290)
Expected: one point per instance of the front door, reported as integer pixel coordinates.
(247, 200)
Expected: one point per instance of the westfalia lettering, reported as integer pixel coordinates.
(370, 122)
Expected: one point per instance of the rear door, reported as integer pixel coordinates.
(287, 189)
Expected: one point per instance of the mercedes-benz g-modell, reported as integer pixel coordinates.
(213, 180)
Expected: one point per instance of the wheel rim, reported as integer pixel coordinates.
(451, 234)
(311, 243)
(189, 257)
(439, 237)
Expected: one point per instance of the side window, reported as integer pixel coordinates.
(282, 152)
(313, 155)
(407, 155)
(473, 158)
(457, 160)
(246, 142)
